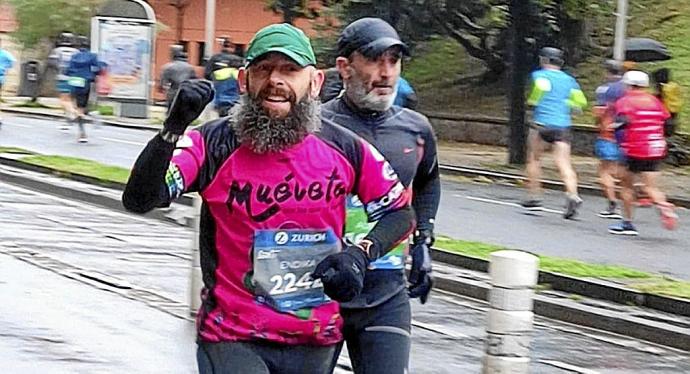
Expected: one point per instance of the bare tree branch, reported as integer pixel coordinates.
(468, 23)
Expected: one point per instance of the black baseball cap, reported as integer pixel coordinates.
(370, 37)
(553, 55)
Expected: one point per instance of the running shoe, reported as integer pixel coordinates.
(623, 228)
(68, 122)
(669, 218)
(532, 205)
(611, 212)
(571, 206)
(82, 138)
(644, 202)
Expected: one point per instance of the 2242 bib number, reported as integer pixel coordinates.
(288, 283)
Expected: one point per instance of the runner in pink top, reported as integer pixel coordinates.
(274, 179)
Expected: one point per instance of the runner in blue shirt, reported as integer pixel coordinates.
(554, 96)
(6, 63)
(405, 97)
(82, 71)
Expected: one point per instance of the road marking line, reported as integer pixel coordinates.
(439, 329)
(121, 141)
(16, 125)
(506, 203)
(569, 367)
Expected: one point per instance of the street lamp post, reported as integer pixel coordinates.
(621, 23)
(210, 28)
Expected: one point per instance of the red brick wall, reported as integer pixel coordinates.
(7, 22)
(7, 25)
(238, 19)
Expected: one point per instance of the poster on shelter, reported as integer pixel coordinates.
(126, 49)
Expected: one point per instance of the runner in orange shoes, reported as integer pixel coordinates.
(639, 130)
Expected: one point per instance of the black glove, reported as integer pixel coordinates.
(192, 97)
(420, 278)
(342, 273)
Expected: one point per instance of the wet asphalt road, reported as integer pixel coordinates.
(485, 213)
(489, 214)
(90, 290)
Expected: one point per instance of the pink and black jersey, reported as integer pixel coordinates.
(643, 135)
(266, 220)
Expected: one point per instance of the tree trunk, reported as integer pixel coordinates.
(288, 8)
(575, 39)
(517, 151)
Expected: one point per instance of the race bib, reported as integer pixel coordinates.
(357, 226)
(283, 263)
(77, 82)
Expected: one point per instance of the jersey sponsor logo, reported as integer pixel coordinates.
(308, 238)
(332, 187)
(267, 254)
(281, 237)
(175, 181)
(377, 207)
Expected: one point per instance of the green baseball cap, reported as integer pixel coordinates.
(283, 38)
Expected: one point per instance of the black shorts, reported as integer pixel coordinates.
(81, 96)
(553, 134)
(640, 166)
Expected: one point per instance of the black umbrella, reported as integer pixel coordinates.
(645, 50)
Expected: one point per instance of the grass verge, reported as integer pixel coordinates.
(34, 104)
(639, 280)
(72, 165)
(15, 150)
(105, 110)
(642, 281)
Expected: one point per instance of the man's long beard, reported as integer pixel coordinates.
(256, 129)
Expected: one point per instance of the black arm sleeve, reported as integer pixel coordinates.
(391, 229)
(427, 185)
(146, 187)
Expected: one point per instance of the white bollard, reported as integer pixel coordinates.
(514, 275)
(195, 278)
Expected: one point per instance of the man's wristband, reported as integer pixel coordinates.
(169, 137)
(365, 245)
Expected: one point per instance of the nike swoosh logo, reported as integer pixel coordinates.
(408, 150)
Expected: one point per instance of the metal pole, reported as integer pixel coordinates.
(621, 23)
(514, 275)
(195, 278)
(210, 28)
